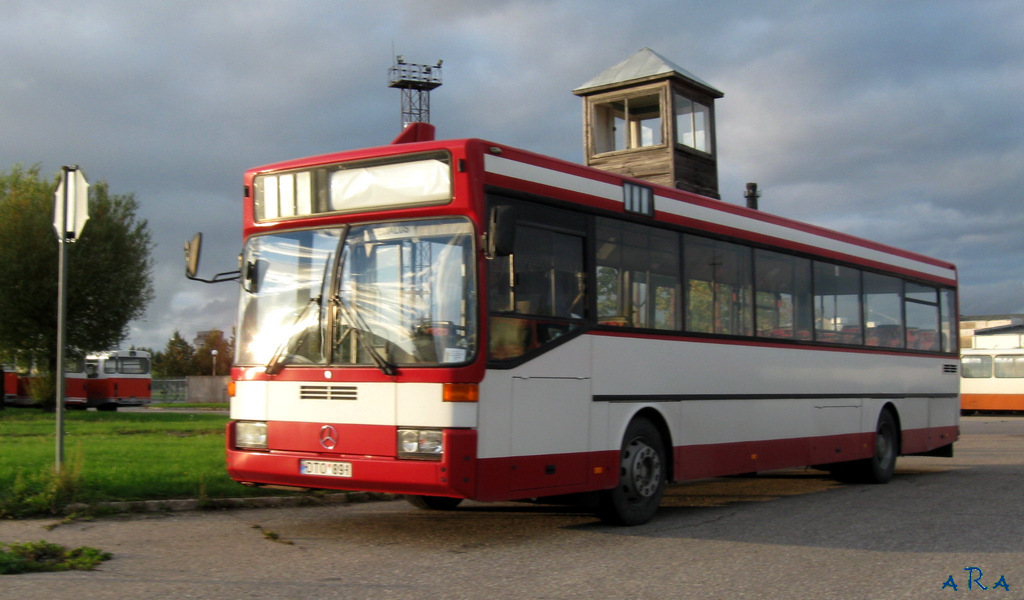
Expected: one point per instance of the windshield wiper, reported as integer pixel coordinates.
(363, 331)
(277, 360)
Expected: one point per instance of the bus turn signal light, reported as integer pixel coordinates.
(461, 392)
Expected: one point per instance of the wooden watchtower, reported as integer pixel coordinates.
(648, 118)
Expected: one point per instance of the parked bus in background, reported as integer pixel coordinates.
(462, 319)
(992, 379)
(76, 382)
(9, 380)
(118, 378)
(104, 381)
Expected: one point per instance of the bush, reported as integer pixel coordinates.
(43, 390)
(34, 557)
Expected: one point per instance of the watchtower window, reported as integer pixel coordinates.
(626, 123)
(693, 120)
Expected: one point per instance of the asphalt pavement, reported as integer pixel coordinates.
(941, 523)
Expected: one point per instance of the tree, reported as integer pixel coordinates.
(109, 270)
(203, 362)
(176, 360)
(181, 359)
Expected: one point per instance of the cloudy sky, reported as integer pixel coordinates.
(899, 121)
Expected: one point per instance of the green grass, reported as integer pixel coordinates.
(111, 456)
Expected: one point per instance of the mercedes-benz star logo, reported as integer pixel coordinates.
(328, 437)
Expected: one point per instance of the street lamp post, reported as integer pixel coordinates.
(214, 354)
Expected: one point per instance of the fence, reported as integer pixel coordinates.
(191, 389)
(170, 390)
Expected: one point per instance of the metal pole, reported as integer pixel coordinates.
(62, 303)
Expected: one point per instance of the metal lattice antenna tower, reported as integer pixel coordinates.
(415, 81)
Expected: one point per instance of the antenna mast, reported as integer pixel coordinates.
(415, 81)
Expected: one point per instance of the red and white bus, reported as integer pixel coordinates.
(10, 384)
(18, 386)
(117, 378)
(76, 385)
(462, 319)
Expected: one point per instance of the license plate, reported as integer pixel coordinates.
(325, 468)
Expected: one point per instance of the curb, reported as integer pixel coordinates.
(188, 504)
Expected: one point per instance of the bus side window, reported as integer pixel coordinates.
(976, 366)
(1009, 366)
(883, 295)
(719, 286)
(548, 268)
(922, 309)
(783, 297)
(638, 283)
(510, 337)
(535, 292)
(837, 304)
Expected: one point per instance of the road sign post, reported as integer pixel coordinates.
(70, 212)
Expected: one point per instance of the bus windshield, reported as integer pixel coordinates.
(384, 294)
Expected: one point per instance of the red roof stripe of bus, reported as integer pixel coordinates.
(543, 175)
(455, 146)
(548, 176)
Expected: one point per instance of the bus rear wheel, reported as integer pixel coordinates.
(642, 477)
(881, 466)
(433, 502)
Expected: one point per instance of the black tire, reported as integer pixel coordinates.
(642, 477)
(880, 467)
(434, 502)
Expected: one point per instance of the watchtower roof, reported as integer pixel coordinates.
(645, 64)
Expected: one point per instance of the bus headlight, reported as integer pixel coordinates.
(420, 443)
(251, 435)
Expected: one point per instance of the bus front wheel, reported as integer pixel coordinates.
(642, 477)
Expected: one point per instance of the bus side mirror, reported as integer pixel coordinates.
(501, 231)
(192, 248)
(252, 274)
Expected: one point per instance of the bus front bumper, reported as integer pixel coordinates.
(453, 475)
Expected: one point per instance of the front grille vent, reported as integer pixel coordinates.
(328, 392)
(950, 368)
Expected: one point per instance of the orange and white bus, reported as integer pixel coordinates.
(992, 379)
(465, 320)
